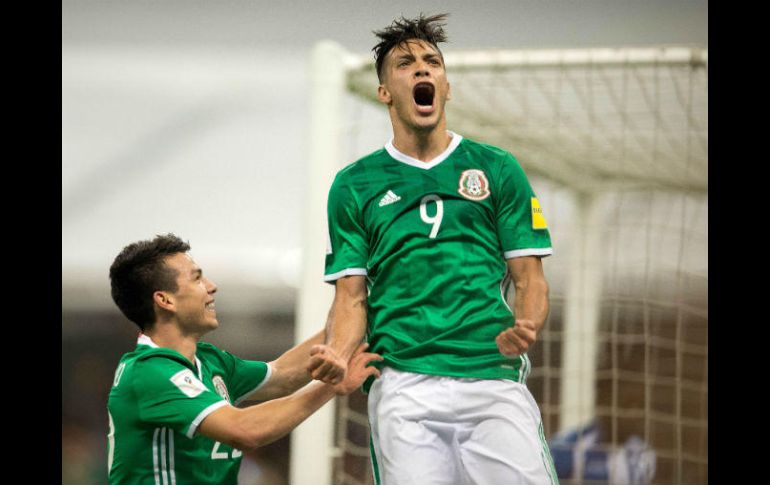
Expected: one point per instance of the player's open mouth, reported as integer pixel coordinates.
(423, 94)
(210, 305)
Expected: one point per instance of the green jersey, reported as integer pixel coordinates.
(432, 239)
(157, 401)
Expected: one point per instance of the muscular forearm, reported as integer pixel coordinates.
(292, 365)
(345, 329)
(280, 416)
(530, 306)
(289, 371)
(346, 326)
(531, 300)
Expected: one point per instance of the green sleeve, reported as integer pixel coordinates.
(521, 226)
(245, 376)
(348, 247)
(169, 394)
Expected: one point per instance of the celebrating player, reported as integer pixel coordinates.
(171, 412)
(425, 236)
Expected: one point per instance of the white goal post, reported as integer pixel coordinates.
(616, 139)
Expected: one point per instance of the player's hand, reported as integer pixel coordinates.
(358, 370)
(517, 340)
(325, 365)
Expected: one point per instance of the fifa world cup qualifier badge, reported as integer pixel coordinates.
(474, 185)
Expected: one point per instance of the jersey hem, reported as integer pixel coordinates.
(198, 419)
(447, 373)
(345, 272)
(517, 253)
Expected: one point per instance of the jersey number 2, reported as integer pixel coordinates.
(222, 455)
(436, 219)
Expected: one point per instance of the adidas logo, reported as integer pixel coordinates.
(389, 198)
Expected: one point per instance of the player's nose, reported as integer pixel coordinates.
(421, 69)
(211, 287)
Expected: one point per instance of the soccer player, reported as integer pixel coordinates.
(425, 236)
(171, 408)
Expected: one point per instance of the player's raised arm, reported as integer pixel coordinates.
(345, 328)
(530, 305)
(264, 423)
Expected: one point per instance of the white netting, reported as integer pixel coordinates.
(626, 130)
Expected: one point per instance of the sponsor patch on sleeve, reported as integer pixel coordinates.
(186, 381)
(538, 220)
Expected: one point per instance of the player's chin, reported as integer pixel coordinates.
(425, 124)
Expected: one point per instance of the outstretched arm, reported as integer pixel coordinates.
(530, 305)
(264, 423)
(289, 371)
(345, 328)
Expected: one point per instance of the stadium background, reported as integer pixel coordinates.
(192, 117)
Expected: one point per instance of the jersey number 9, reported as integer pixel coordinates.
(436, 219)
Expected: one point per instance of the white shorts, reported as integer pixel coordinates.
(435, 430)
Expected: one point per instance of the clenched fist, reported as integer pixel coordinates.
(518, 339)
(325, 365)
(358, 370)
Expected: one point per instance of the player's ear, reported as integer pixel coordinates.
(384, 95)
(448, 91)
(163, 300)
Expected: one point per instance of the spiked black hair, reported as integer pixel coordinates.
(430, 29)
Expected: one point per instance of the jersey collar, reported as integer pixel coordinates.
(145, 340)
(393, 152)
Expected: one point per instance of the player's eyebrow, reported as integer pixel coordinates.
(408, 56)
(196, 272)
(429, 56)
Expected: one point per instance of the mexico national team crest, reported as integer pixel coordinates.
(221, 388)
(474, 185)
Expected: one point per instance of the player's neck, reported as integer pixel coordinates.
(421, 145)
(170, 336)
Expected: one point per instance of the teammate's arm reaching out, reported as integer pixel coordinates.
(530, 305)
(345, 329)
(261, 424)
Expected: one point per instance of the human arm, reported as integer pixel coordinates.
(261, 424)
(530, 305)
(288, 372)
(345, 328)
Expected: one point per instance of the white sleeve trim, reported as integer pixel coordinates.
(259, 386)
(517, 253)
(345, 272)
(203, 414)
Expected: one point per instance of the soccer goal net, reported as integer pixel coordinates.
(615, 142)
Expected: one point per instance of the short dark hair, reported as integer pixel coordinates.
(430, 29)
(139, 271)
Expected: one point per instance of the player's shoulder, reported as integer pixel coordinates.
(360, 166)
(158, 361)
(206, 352)
(486, 151)
(144, 368)
(207, 348)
